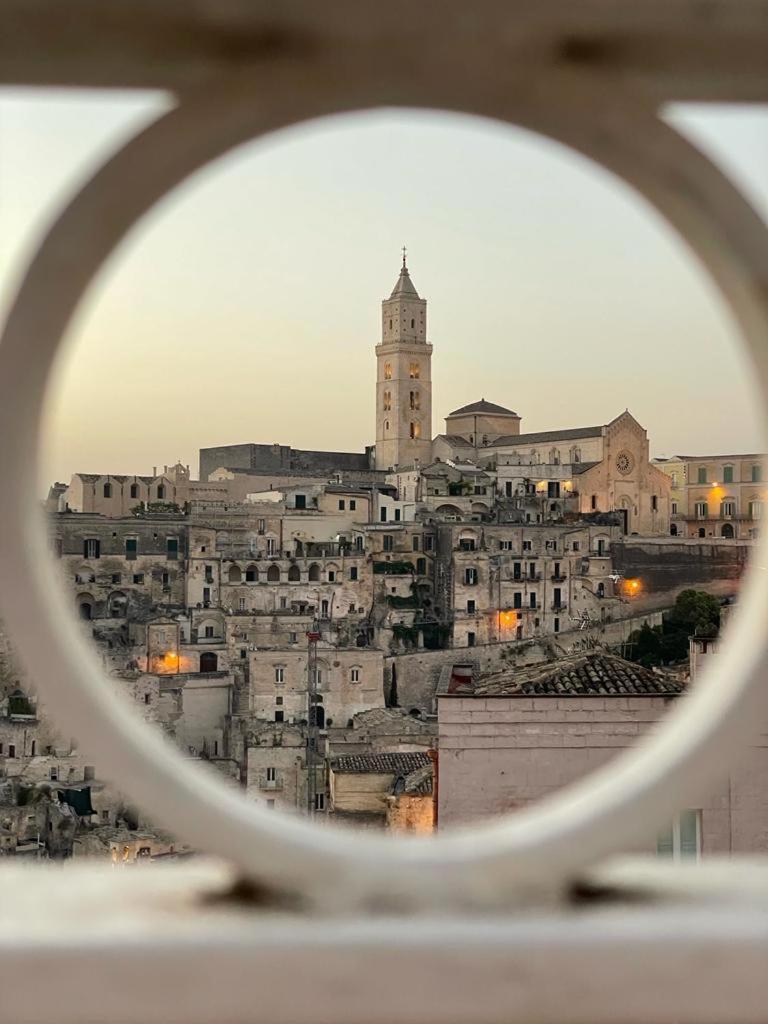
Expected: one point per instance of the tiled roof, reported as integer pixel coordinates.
(382, 764)
(456, 440)
(483, 407)
(547, 435)
(580, 675)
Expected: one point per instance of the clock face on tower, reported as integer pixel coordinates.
(625, 462)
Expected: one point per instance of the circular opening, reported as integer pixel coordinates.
(502, 837)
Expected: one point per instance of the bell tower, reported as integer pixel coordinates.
(403, 379)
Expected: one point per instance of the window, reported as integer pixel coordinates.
(388, 542)
(172, 548)
(414, 371)
(682, 840)
(576, 546)
(11, 750)
(556, 625)
(517, 599)
(319, 801)
(673, 508)
(701, 509)
(519, 633)
(755, 509)
(601, 590)
(701, 475)
(353, 572)
(116, 577)
(471, 607)
(206, 597)
(251, 574)
(331, 575)
(324, 608)
(352, 505)
(387, 401)
(134, 490)
(470, 577)
(593, 502)
(131, 548)
(138, 577)
(415, 400)
(54, 774)
(415, 543)
(166, 580)
(466, 543)
(415, 429)
(243, 653)
(387, 371)
(527, 545)
(342, 504)
(354, 675)
(421, 566)
(300, 501)
(727, 474)
(147, 698)
(728, 509)
(160, 492)
(271, 774)
(429, 542)
(654, 503)
(107, 490)
(208, 632)
(532, 570)
(533, 601)
(92, 549)
(397, 515)
(293, 638)
(757, 474)
(471, 639)
(33, 749)
(383, 514)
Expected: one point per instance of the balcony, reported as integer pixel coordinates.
(561, 607)
(558, 577)
(271, 785)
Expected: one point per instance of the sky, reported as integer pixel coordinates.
(246, 306)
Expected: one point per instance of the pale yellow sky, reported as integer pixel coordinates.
(246, 308)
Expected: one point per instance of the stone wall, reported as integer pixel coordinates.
(665, 566)
(500, 754)
(417, 674)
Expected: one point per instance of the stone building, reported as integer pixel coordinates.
(511, 738)
(384, 790)
(716, 496)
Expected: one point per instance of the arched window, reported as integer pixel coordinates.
(234, 575)
(85, 606)
(415, 429)
(387, 371)
(209, 661)
(107, 490)
(314, 573)
(251, 574)
(294, 574)
(413, 323)
(415, 400)
(134, 490)
(387, 401)
(160, 492)
(117, 603)
(273, 574)
(414, 371)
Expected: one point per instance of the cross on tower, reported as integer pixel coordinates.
(404, 252)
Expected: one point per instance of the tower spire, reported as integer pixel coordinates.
(404, 254)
